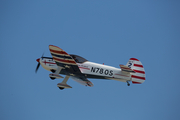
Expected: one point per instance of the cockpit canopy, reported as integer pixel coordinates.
(78, 59)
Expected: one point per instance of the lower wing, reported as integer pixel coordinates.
(83, 81)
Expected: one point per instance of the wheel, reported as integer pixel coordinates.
(52, 78)
(61, 88)
(53, 71)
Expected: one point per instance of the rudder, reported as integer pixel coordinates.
(139, 76)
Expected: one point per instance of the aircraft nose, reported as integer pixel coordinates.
(38, 59)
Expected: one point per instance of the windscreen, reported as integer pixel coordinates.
(78, 59)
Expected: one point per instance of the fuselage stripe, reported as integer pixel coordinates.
(84, 68)
(64, 63)
(45, 62)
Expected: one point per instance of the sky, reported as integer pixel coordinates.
(101, 31)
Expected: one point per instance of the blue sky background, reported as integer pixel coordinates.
(101, 31)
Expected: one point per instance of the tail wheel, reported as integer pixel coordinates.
(128, 84)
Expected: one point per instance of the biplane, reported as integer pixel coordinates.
(79, 69)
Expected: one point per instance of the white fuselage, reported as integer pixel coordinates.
(91, 70)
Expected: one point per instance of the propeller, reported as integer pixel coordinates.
(38, 63)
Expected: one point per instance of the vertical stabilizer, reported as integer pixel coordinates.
(139, 76)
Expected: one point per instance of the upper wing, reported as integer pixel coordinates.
(64, 60)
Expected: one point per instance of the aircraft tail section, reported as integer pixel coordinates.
(138, 77)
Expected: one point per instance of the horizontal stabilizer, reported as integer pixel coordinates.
(126, 69)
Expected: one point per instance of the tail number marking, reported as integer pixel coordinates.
(129, 65)
(101, 71)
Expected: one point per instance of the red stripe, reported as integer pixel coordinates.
(138, 71)
(134, 59)
(136, 82)
(138, 77)
(58, 52)
(48, 62)
(137, 65)
(66, 61)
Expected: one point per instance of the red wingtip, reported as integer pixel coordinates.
(38, 59)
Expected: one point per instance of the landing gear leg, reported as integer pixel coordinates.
(63, 84)
(55, 74)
